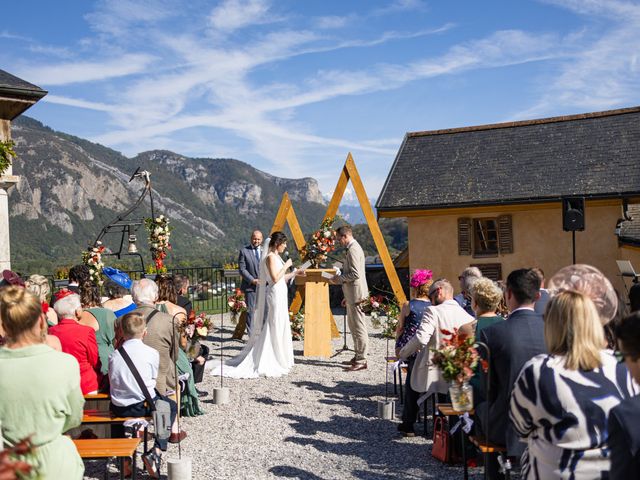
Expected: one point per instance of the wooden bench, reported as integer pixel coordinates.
(447, 410)
(106, 417)
(489, 448)
(119, 448)
(97, 396)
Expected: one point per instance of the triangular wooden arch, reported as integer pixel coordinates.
(286, 215)
(350, 172)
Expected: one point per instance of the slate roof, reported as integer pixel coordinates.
(595, 155)
(16, 87)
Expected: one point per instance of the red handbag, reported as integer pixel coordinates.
(441, 438)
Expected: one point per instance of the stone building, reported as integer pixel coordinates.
(493, 195)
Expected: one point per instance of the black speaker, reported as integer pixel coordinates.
(572, 214)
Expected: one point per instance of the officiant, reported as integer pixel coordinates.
(249, 266)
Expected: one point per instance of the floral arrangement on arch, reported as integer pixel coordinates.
(378, 306)
(159, 233)
(457, 357)
(194, 328)
(319, 244)
(237, 304)
(297, 325)
(92, 258)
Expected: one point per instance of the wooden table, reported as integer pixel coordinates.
(317, 312)
(120, 448)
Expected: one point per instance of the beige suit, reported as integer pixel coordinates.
(164, 337)
(425, 376)
(354, 287)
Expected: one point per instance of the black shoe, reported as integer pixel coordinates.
(201, 393)
(406, 431)
(152, 462)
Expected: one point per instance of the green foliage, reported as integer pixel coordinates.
(6, 154)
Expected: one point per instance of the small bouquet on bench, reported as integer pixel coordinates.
(194, 328)
(17, 461)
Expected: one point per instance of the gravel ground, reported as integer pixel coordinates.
(319, 422)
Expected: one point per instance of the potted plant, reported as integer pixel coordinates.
(457, 359)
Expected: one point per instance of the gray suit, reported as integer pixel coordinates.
(355, 289)
(426, 377)
(249, 268)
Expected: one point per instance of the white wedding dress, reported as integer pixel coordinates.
(269, 350)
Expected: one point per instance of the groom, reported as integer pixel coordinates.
(354, 287)
(249, 266)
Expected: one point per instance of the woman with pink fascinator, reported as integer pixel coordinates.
(408, 323)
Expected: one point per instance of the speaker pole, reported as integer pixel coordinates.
(573, 238)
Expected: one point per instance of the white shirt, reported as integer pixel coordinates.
(124, 388)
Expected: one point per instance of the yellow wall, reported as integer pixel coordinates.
(538, 240)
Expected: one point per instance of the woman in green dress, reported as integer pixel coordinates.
(41, 397)
(103, 322)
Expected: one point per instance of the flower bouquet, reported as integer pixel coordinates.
(92, 258)
(319, 244)
(297, 325)
(237, 304)
(377, 306)
(457, 359)
(194, 328)
(159, 233)
(19, 461)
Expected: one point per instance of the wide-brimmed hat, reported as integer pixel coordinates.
(118, 276)
(11, 278)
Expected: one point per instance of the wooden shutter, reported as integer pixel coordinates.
(465, 236)
(505, 234)
(490, 270)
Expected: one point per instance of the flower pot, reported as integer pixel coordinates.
(461, 396)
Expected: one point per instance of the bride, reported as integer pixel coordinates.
(269, 351)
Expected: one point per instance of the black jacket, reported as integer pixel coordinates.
(624, 440)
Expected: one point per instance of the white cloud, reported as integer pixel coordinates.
(72, 102)
(78, 72)
(233, 15)
(331, 21)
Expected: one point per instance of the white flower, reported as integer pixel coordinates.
(327, 234)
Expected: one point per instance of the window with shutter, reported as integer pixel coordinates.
(505, 234)
(464, 236)
(490, 270)
(485, 237)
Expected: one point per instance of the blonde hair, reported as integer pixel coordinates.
(39, 286)
(487, 294)
(132, 325)
(19, 311)
(423, 289)
(572, 328)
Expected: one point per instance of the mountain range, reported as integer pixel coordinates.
(70, 188)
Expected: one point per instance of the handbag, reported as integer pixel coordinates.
(160, 408)
(441, 440)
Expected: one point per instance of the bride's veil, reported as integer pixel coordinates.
(260, 313)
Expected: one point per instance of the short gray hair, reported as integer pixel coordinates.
(66, 307)
(144, 291)
(468, 277)
(444, 284)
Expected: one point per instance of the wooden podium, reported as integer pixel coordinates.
(317, 312)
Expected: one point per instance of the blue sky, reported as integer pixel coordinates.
(292, 86)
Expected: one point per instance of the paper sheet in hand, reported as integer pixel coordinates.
(305, 265)
(327, 275)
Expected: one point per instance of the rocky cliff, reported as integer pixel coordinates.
(70, 188)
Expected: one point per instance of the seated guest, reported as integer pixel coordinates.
(444, 314)
(624, 435)
(162, 333)
(485, 298)
(102, 320)
(408, 323)
(127, 399)
(78, 274)
(39, 286)
(511, 343)
(541, 303)
(167, 303)
(468, 276)
(77, 340)
(561, 401)
(117, 287)
(181, 282)
(40, 388)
